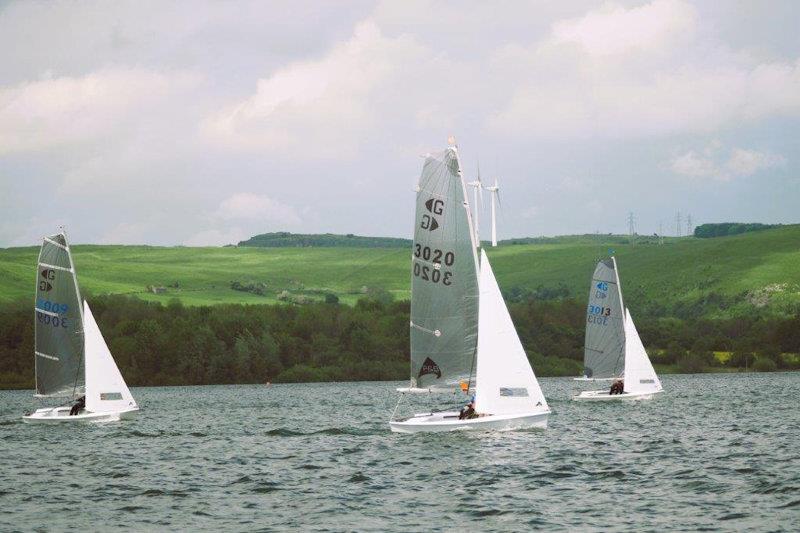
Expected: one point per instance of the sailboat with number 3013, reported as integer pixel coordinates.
(613, 350)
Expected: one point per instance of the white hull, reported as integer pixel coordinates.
(448, 421)
(60, 415)
(605, 396)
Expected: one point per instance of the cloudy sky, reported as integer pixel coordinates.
(204, 123)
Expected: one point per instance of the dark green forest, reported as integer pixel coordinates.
(284, 239)
(172, 344)
(724, 229)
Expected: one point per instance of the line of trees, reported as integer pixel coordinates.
(156, 344)
(284, 239)
(723, 229)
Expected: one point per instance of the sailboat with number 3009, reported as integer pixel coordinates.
(73, 363)
(462, 336)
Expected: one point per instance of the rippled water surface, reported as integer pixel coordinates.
(715, 452)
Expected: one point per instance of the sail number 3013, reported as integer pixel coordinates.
(598, 315)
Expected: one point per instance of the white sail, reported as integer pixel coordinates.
(640, 376)
(505, 380)
(106, 391)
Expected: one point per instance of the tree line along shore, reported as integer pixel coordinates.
(173, 344)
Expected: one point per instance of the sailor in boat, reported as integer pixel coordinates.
(78, 406)
(618, 387)
(467, 412)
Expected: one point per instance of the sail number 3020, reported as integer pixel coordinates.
(434, 254)
(433, 274)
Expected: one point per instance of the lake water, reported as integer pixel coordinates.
(713, 452)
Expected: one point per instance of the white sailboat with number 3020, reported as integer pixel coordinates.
(74, 367)
(462, 336)
(613, 350)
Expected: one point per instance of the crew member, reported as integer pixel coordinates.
(467, 412)
(78, 406)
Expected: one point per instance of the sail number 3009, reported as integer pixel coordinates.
(436, 275)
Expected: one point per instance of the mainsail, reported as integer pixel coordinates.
(444, 284)
(58, 322)
(604, 346)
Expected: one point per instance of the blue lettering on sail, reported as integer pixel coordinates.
(53, 307)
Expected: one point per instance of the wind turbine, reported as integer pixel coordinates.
(477, 190)
(495, 190)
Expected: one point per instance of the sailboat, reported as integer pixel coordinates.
(71, 356)
(613, 350)
(462, 336)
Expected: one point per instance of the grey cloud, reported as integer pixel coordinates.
(136, 121)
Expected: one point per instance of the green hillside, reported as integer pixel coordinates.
(714, 277)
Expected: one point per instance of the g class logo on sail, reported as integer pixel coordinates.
(437, 208)
(47, 274)
(602, 288)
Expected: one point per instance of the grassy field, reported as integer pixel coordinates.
(741, 272)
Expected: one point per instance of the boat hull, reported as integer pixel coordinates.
(60, 415)
(448, 421)
(605, 396)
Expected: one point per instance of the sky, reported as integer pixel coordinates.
(203, 123)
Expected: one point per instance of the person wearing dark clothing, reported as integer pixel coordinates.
(617, 387)
(78, 406)
(467, 412)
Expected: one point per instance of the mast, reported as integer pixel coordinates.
(624, 311)
(469, 213)
(473, 237)
(619, 286)
(82, 365)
